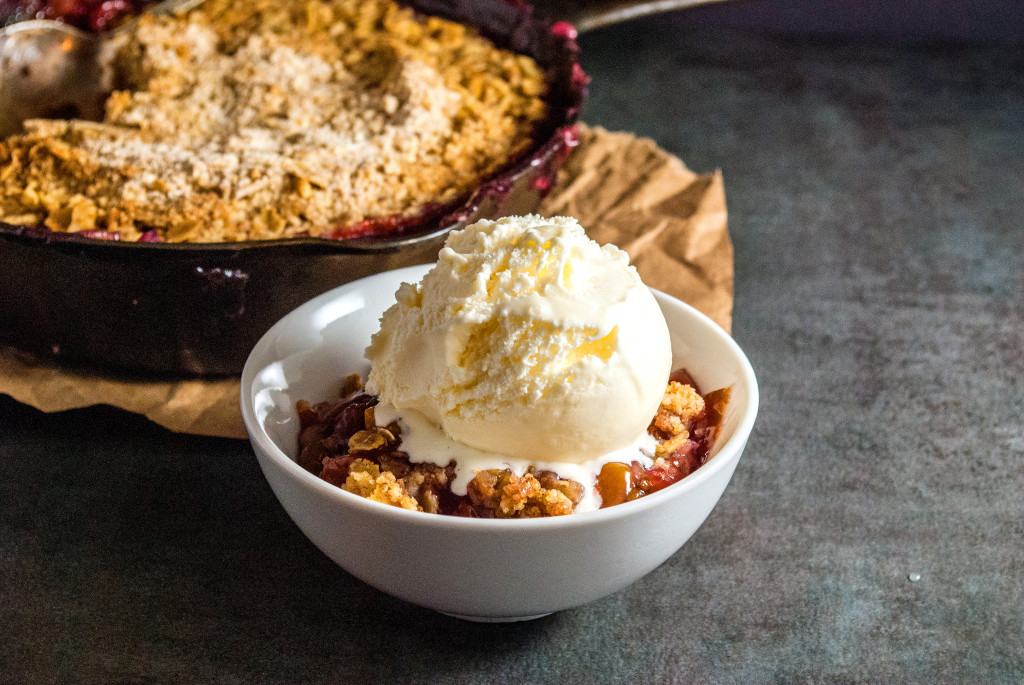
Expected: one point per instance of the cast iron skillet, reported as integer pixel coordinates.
(198, 309)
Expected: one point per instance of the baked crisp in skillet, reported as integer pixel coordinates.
(262, 119)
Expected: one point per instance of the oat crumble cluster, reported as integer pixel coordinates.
(670, 425)
(262, 119)
(370, 463)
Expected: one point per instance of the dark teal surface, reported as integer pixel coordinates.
(876, 199)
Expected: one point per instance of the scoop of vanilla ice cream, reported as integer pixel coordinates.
(526, 339)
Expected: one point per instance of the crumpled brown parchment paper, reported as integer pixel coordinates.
(625, 190)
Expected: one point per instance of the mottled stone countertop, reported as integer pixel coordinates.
(873, 531)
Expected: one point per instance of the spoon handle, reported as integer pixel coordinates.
(586, 16)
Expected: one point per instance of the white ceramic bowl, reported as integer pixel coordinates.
(479, 569)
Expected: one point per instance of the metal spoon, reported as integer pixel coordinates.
(50, 69)
(587, 15)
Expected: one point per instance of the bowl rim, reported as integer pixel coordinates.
(725, 454)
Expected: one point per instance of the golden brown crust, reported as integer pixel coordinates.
(679, 405)
(367, 480)
(373, 467)
(507, 495)
(261, 119)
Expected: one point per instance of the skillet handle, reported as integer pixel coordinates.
(586, 16)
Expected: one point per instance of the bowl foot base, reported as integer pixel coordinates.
(495, 619)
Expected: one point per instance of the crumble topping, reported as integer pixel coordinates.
(366, 480)
(680, 404)
(507, 495)
(257, 120)
(369, 461)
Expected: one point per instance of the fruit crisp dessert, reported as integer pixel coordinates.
(261, 119)
(527, 374)
(341, 442)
